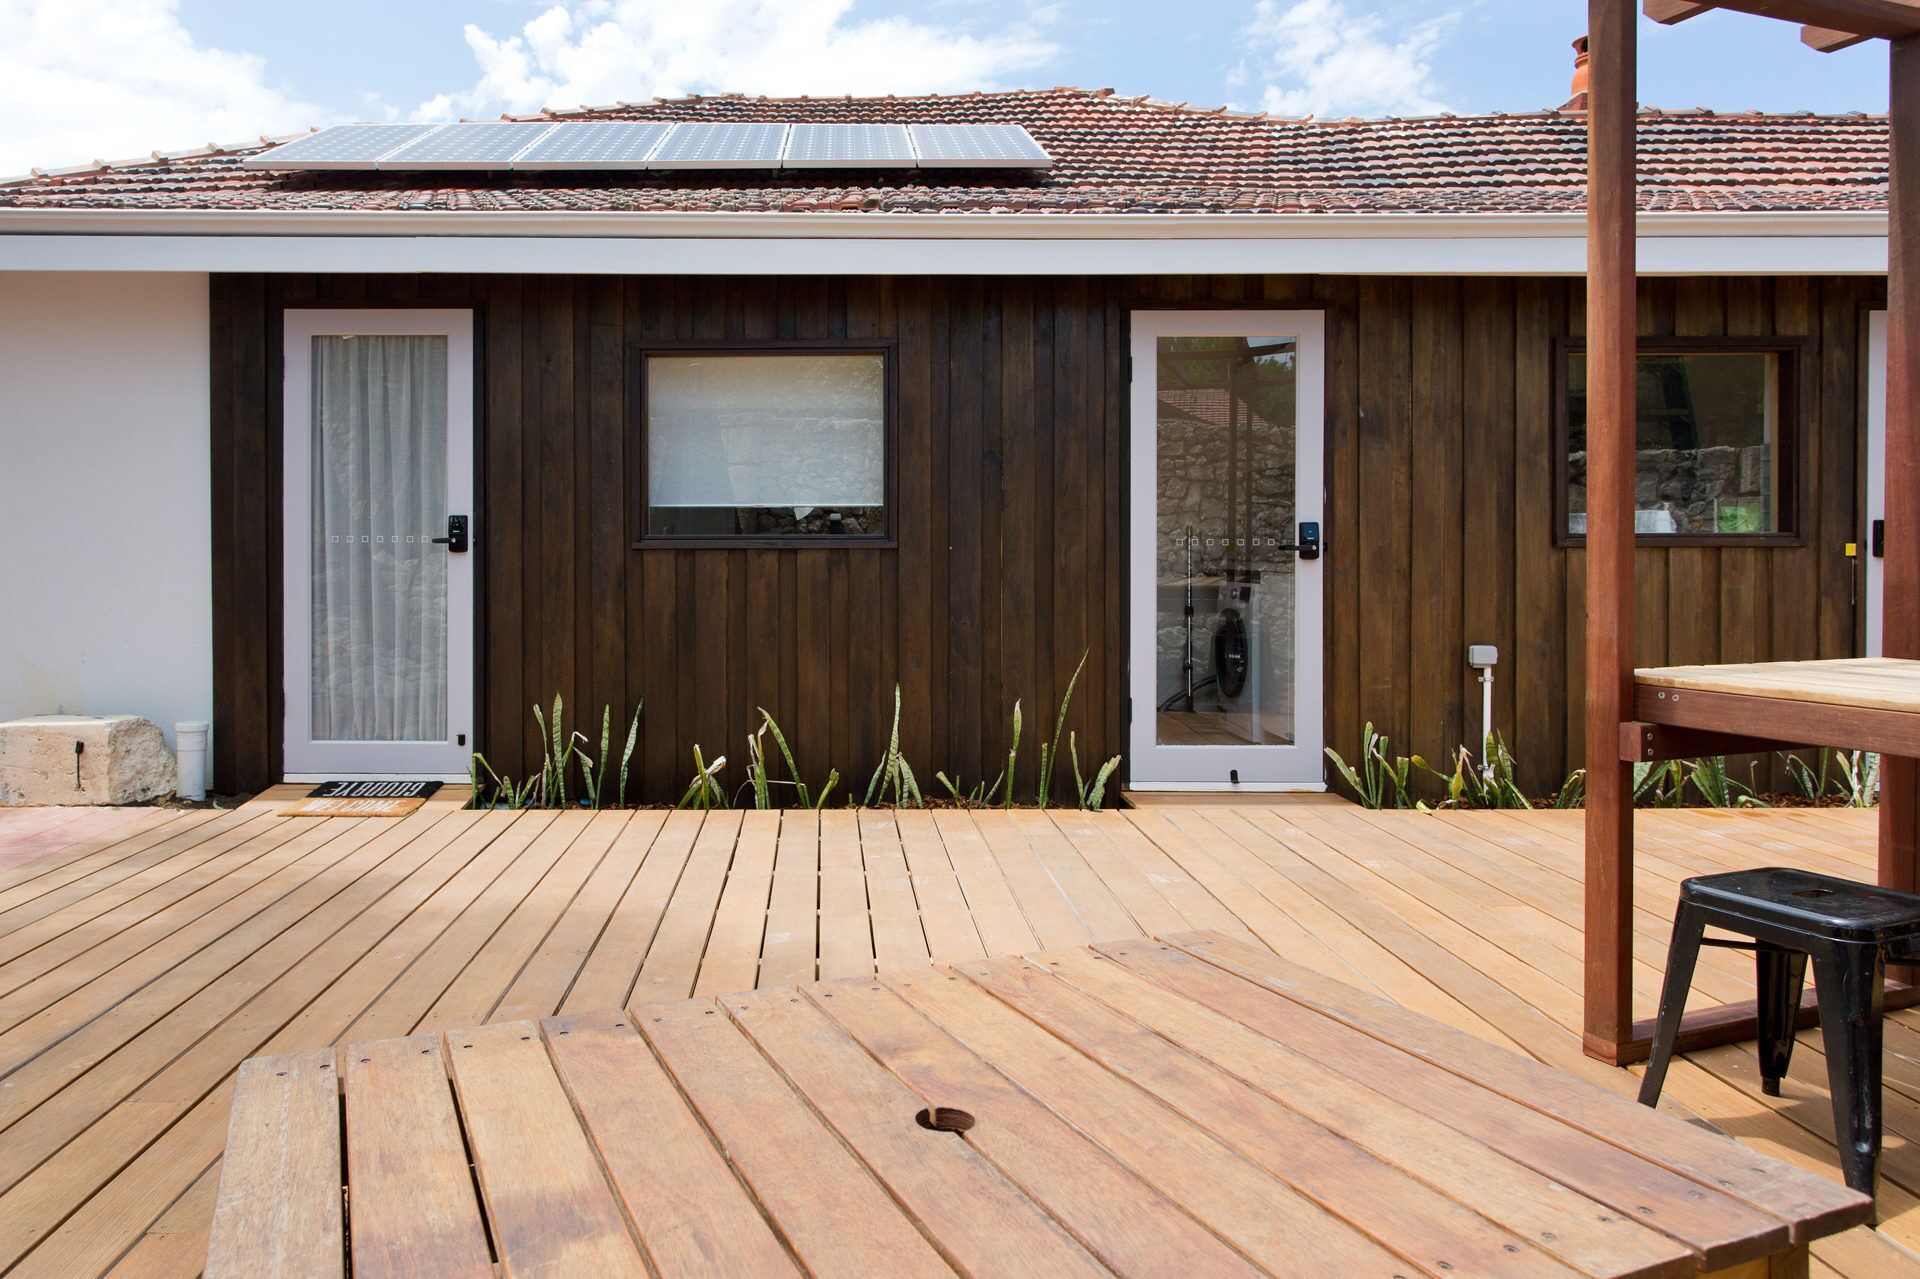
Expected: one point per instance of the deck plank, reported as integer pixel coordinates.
(279, 1211)
(414, 1212)
(547, 1199)
(692, 1214)
(790, 949)
(732, 957)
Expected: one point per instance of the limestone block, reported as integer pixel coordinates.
(123, 759)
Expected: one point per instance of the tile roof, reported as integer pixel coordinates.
(1113, 155)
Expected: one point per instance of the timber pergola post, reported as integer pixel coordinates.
(1610, 1032)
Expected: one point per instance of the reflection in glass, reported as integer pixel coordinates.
(1225, 523)
(1706, 442)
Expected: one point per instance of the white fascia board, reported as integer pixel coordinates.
(938, 244)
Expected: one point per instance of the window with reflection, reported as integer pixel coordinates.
(1711, 442)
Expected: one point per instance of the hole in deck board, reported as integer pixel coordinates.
(944, 1119)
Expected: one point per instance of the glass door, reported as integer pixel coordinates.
(1227, 413)
(378, 572)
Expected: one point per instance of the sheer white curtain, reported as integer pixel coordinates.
(379, 498)
(766, 430)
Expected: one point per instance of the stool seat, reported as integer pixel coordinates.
(1848, 931)
(1821, 905)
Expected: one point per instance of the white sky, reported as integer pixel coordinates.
(86, 79)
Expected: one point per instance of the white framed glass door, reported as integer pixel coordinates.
(378, 570)
(1228, 418)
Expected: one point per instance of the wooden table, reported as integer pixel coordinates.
(1183, 1106)
(1854, 703)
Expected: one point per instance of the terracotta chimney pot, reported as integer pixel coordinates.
(1578, 102)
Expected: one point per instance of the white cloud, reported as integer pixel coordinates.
(1317, 57)
(600, 51)
(110, 79)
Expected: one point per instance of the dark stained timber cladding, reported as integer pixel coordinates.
(1011, 462)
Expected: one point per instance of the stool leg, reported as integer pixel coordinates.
(1779, 973)
(1682, 953)
(1848, 979)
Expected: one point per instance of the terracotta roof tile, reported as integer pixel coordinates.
(1112, 154)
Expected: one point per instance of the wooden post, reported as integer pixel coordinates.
(1611, 125)
(1900, 580)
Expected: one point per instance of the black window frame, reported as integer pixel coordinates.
(639, 354)
(1796, 411)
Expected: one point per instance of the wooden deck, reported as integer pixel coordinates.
(1303, 1130)
(140, 966)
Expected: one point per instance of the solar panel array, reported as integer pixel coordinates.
(721, 146)
(849, 146)
(466, 146)
(345, 146)
(977, 146)
(658, 144)
(594, 144)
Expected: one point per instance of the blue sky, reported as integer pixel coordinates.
(81, 79)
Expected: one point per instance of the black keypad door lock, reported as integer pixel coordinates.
(456, 539)
(1309, 543)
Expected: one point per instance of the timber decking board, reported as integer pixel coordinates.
(827, 1142)
(122, 1030)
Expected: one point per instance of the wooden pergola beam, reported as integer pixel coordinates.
(1668, 12)
(1827, 40)
(1863, 19)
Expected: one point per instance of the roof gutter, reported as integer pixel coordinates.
(916, 226)
(422, 241)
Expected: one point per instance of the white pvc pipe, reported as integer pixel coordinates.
(1486, 714)
(190, 749)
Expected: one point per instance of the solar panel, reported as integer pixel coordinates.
(721, 146)
(344, 146)
(977, 146)
(466, 146)
(594, 144)
(848, 146)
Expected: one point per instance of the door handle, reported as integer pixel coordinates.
(1307, 545)
(456, 539)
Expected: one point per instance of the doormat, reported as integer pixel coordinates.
(362, 799)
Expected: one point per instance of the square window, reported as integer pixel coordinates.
(1712, 442)
(762, 444)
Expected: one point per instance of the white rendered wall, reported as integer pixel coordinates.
(106, 565)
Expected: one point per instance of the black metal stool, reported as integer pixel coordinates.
(1850, 931)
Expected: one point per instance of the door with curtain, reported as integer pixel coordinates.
(378, 565)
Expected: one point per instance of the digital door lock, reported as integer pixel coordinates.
(456, 539)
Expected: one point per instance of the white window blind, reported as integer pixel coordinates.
(799, 431)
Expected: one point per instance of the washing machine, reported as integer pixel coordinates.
(1233, 652)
